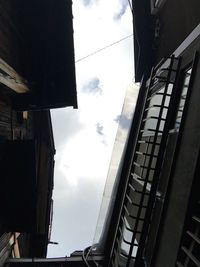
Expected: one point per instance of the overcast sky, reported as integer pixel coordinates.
(84, 138)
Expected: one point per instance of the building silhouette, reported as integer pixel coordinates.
(158, 219)
(37, 72)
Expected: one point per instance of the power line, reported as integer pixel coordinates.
(130, 5)
(105, 47)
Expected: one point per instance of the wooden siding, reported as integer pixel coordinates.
(37, 42)
(12, 124)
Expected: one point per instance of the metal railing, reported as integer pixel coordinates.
(141, 191)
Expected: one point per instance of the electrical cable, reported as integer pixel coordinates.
(86, 253)
(89, 252)
(105, 47)
(84, 258)
(130, 6)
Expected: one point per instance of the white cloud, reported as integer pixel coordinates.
(95, 27)
(84, 155)
(77, 216)
(66, 123)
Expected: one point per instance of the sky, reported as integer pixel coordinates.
(84, 137)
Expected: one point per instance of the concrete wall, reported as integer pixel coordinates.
(177, 19)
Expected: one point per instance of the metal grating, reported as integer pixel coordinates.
(140, 193)
(189, 254)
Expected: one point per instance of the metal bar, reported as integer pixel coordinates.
(156, 106)
(191, 256)
(128, 242)
(131, 216)
(131, 230)
(153, 118)
(157, 93)
(137, 179)
(136, 176)
(126, 256)
(196, 219)
(194, 237)
(148, 142)
(137, 191)
(152, 130)
(135, 204)
(62, 261)
(142, 167)
(167, 69)
(145, 154)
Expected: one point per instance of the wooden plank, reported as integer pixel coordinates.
(14, 245)
(10, 78)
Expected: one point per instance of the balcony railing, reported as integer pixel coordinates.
(142, 192)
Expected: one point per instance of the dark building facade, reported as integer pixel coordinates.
(27, 168)
(37, 64)
(37, 72)
(158, 220)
